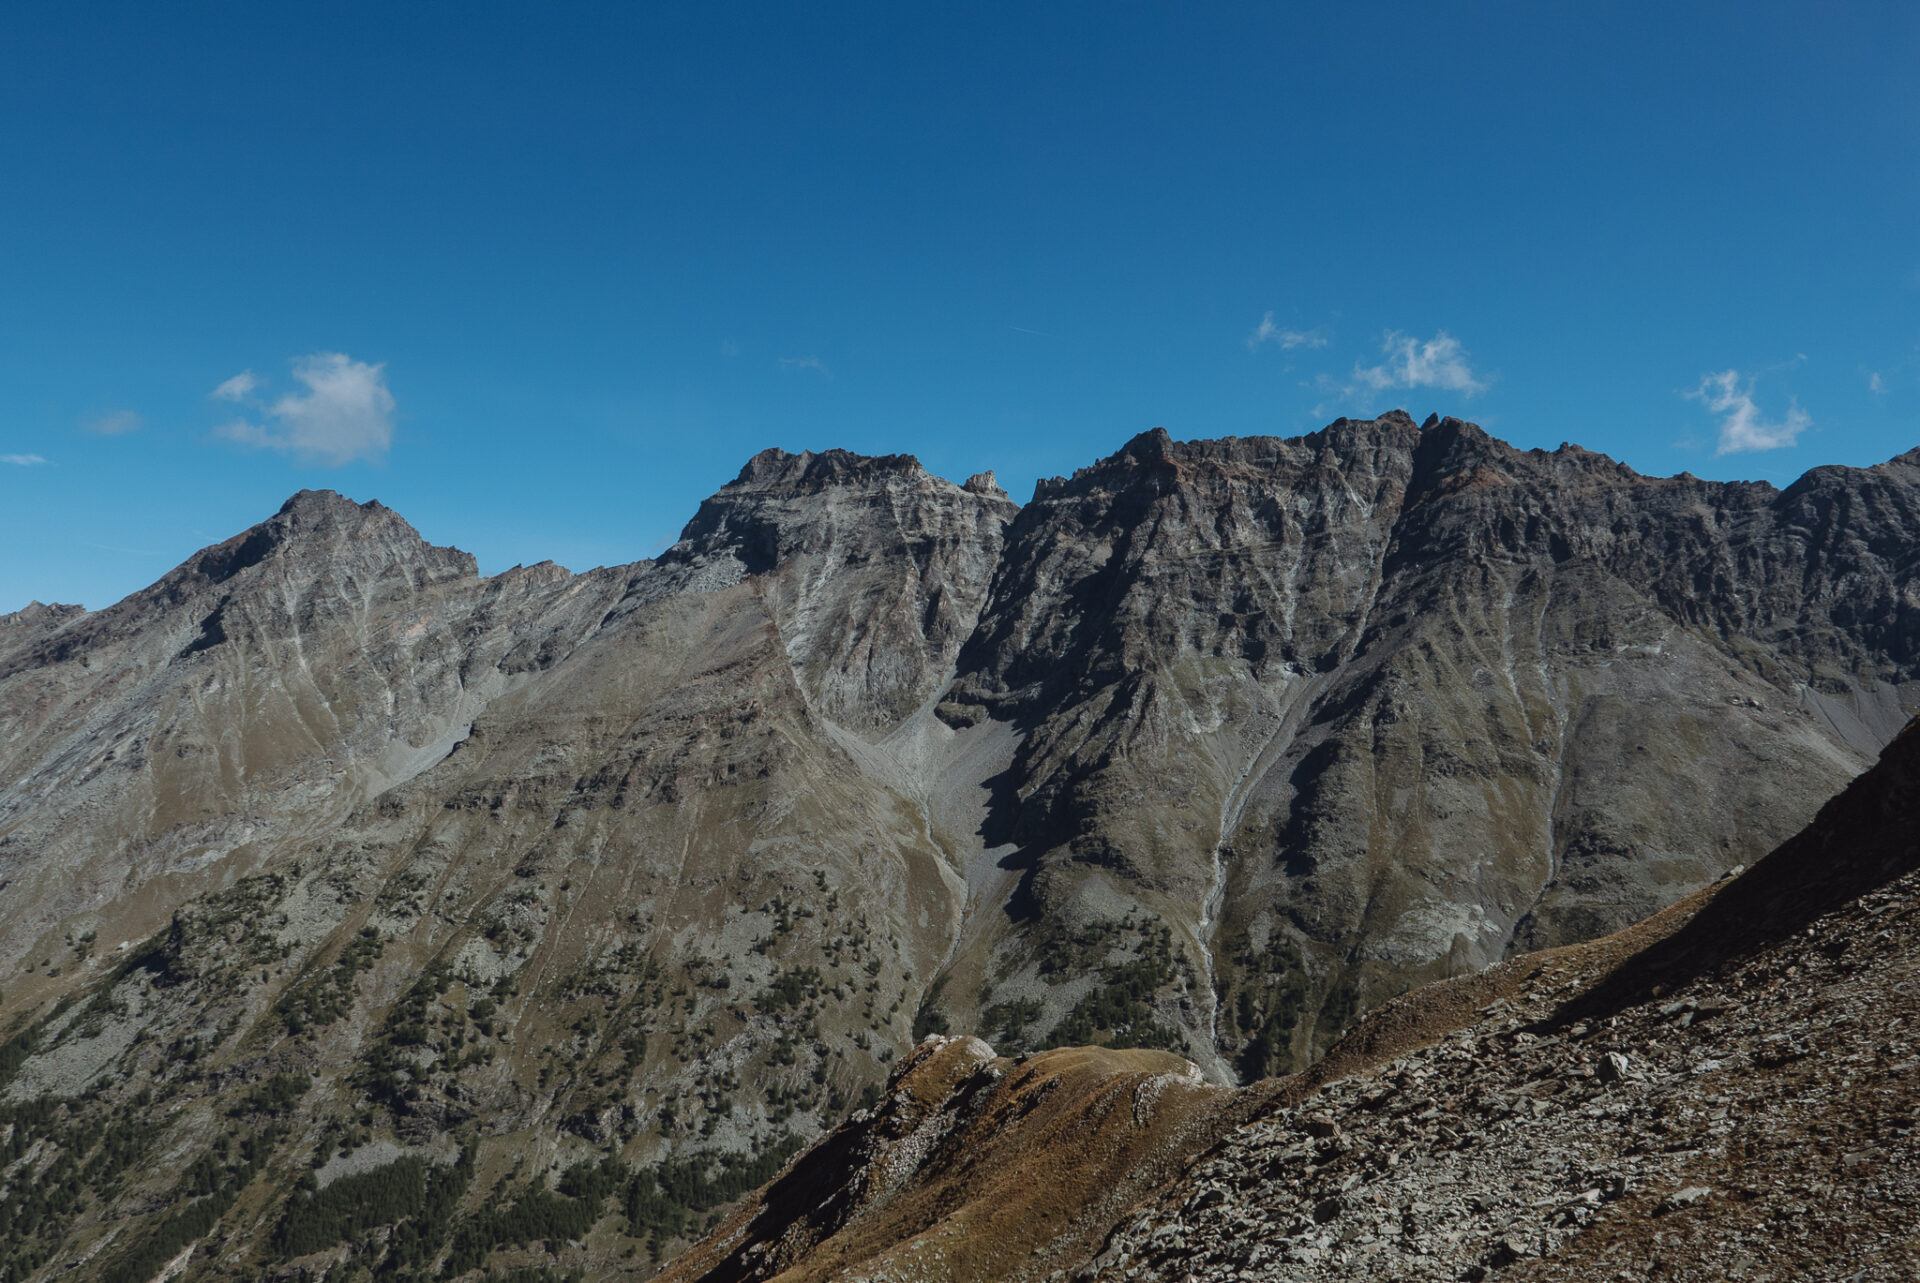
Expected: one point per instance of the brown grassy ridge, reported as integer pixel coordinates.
(975, 1167)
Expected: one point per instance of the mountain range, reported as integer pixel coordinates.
(546, 914)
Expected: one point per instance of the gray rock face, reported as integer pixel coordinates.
(256, 694)
(874, 571)
(1387, 703)
(1209, 747)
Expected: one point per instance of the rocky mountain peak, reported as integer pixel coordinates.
(782, 504)
(318, 550)
(984, 483)
(873, 569)
(40, 613)
(322, 526)
(1151, 445)
(1371, 444)
(32, 623)
(774, 468)
(314, 503)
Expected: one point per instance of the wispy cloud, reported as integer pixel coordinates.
(1438, 362)
(115, 423)
(804, 363)
(345, 413)
(21, 460)
(729, 348)
(1876, 384)
(237, 388)
(1268, 332)
(1741, 426)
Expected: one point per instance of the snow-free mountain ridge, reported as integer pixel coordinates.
(1208, 748)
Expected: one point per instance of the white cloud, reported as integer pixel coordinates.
(1876, 384)
(1268, 332)
(729, 348)
(346, 412)
(804, 363)
(116, 423)
(1742, 428)
(237, 388)
(1438, 362)
(21, 460)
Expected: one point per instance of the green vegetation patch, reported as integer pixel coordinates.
(1267, 1007)
(92, 1148)
(788, 989)
(324, 995)
(1004, 1024)
(1117, 1012)
(275, 1097)
(415, 1196)
(207, 1190)
(929, 1019)
(666, 1201)
(538, 1214)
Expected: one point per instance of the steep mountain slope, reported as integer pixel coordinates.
(577, 902)
(1388, 703)
(262, 690)
(1722, 1091)
(1733, 1099)
(637, 870)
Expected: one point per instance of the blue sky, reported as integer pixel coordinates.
(541, 277)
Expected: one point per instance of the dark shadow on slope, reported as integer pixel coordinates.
(1022, 905)
(1000, 827)
(213, 631)
(1861, 840)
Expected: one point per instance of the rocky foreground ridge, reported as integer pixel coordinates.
(565, 907)
(1723, 1091)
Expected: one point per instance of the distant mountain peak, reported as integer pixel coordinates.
(326, 501)
(808, 470)
(984, 483)
(325, 523)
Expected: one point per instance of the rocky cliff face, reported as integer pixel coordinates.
(605, 891)
(1389, 703)
(874, 572)
(543, 863)
(262, 690)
